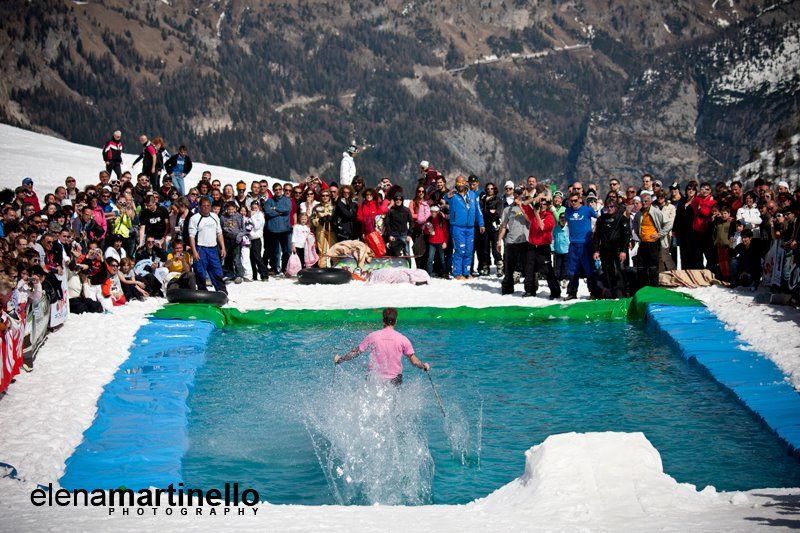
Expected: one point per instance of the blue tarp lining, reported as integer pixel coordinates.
(140, 433)
(698, 334)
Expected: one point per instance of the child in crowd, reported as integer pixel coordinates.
(722, 242)
(300, 233)
(244, 243)
(131, 287)
(435, 230)
(561, 248)
(736, 238)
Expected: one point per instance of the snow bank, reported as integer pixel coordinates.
(595, 481)
(772, 330)
(594, 476)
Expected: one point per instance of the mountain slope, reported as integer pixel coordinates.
(497, 88)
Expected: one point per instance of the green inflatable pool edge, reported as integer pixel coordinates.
(624, 308)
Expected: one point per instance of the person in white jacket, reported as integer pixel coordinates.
(347, 170)
(749, 214)
(256, 256)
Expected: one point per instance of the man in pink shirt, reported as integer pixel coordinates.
(387, 348)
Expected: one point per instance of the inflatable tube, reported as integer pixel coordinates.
(324, 276)
(188, 296)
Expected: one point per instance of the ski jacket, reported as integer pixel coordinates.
(347, 169)
(437, 231)
(174, 163)
(612, 233)
(464, 210)
(492, 209)
(540, 236)
(112, 151)
(398, 222)
(345, 213)
(277, 211)
(702, 213)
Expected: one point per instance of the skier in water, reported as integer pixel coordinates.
(387, 348)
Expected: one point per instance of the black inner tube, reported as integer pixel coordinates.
(324, 276)
(188, 296)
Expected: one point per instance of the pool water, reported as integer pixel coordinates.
(268, 411)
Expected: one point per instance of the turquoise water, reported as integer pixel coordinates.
(267, 411)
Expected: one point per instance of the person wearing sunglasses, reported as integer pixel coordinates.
(492, 208)
(398, 227)
(322, 225)
(465, 216)
(345, 213)
(580, 261)
(612, 234)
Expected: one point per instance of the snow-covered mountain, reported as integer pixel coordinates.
(780, 162)
(584, 88)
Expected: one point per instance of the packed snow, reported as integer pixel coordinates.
(608, 481)
(769, 329)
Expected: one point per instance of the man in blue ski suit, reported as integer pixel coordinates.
(465, 215)
(580, 261)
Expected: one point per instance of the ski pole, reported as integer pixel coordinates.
(435, 393)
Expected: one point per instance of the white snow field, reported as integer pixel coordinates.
(587, 482)
(48, 161)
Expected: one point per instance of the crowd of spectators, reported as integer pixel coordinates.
(125, 237)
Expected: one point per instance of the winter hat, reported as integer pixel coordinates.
(780, 184)
(508, 184)
(424, 164)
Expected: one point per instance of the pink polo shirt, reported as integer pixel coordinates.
(387, 348)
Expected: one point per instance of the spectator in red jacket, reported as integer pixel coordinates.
(540, 236)
(701, 242)
(435, 230)
(371, 207)
(29, 195)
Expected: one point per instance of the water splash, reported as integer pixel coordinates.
(369, 441)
